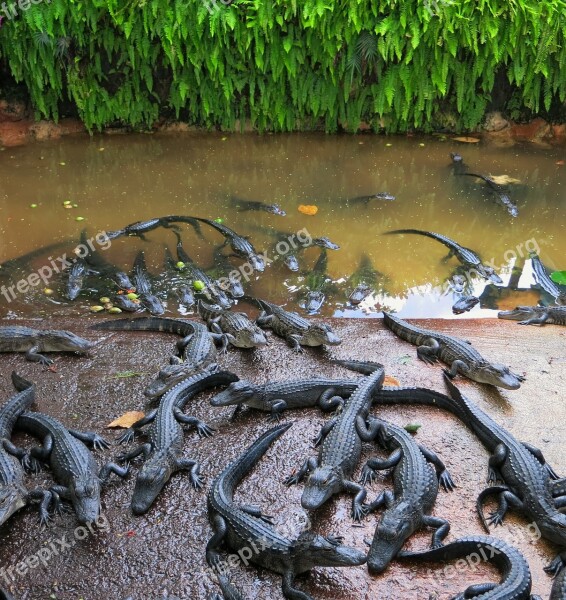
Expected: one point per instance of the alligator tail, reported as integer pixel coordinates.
(490, 491)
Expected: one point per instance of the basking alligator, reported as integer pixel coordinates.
(164, 449)
(416, 488)
(244, 205)
(500, 193)
(458, 354)
(363, 281)
(15, 338)
(340, 452)
(466, 256)
(365, 199)
(237, 328)
(71, 462)
(197, 348)
(242, 526)
(294, 328)
(515, 581)
(464, 304)
(545, 282)
(536, 315)
(143, 287)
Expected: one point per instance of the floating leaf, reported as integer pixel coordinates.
(127, 419)
(412, 427)
(504, 179)
(466, 140)
(308, 209)
(559, 277)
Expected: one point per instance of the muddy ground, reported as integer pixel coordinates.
(161, 554)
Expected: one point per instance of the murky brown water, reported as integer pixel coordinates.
(116, 180)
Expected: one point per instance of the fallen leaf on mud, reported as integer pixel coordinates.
(391, 381)
(125, 374)
(127, 419)
(405, 359)
(412, 427)
(467, 140)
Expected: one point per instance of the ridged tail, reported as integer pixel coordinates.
(147, 324)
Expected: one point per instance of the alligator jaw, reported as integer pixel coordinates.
(11, 500)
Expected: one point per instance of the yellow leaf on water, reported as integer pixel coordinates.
(391, 381)
(467, 140)
(503, 179)
(127, 419)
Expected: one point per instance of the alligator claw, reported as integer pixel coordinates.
(127, 437)
(204, 430)
(446, 481)
(99, 443)
(274, 417)
(31, 464)
(46, 362)
(491, 476)
(197, 480)
(44, 518)
(495, 519)
(368, 475)
(291, 480)
(360, 511)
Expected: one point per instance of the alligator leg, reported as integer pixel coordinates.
(45, 497)
(359, 510)
(441, 471)
(557, 564)
(498, 457)
(378, 464)
(458, 366)
(277, 407)
(33, 356)
(308, 466)
(144, 449)
(536, 452)
(182, 344)
(536, 320)
(560, 502)
(290, 592)
(264, 320)
(478, 589)
(329, 401)
(427, 352)
(294, 341)
(108, 468)
(558, 487)
(441, 526)
(131, 432)
(29, 463)
(58, 492)
(325, 430)
(220, 530)
(202, 428)
(506, 499)
(255, 511)
(192, 466)
(222, 340)
(42, 453)
(90, 438)
(386, 498)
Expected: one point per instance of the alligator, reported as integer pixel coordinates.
(364, 281)
(245, 205)
(78, 271)
(197, 347)
(464, 304)
(515, 583)
(241, 247)
(195, 274)
(544, 281)
(416, 487)
(237, 328)
(501, 195)
(536, 315)
(230, 278)
(143, 287)
(294, 328)
(365, 199)
(71, 462)
(341, 440)
(164, 449)
(140, 228)
(324, 242)
(317, 283)
(15, 338)
(242, 526)
(128, 304)
(174, 281)
(458, 165)
(455, 352)
(558, 591)
(466, 256)
(458, 283)
(9, 267)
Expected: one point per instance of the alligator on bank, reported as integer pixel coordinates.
(163, 452)
(243, 526)
(197, 348)
(254, 205)
(458, 354)
(340, 452)
(15, 338)
(143, 286)
(516, 581)
(545, 283)
(416, 488)
(467, 257)
(558, 591)
(501, 195)
(296, 330)
(536, 315)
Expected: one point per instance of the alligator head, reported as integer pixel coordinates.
(385, 196)
(291, 263)
(74, 287)
(390, 535)
(497, 375)
(314, 301)
(12, 498)
(235, 287)
(465, 304)
(324, 242)
(167, 378)
(519, 313)
(360, 293)
(275, 209)
(154, 474)
(153, 304)
(312, 550)
(489, 273)
(85, 497)
(248, 337)
(257, 262)
(320, 333)
(322, 484)
(236, 393)
(63, 341)
(220, 298)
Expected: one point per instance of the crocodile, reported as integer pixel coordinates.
(464, 304)
(164, 449)
(341, 447)
(363, 281)
(544, 281)
(516, 581)
(127, 304)
(71, 462)
(237, 328)
(365, 199)
(458, 354)
(143, 287)
(416, 488)
(197, 347)
(536, 315)
(13, 494)
(245, 205)
(466, 256)
(558, 591)
(195, 274)
(15, 338)
(502, 197)
(239, 244)
(324, 242)
(297, 330)
(246, 527)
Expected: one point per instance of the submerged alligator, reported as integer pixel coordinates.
(544, 281)
(461, 357)
(242, 526)
(15, 338)
(502, 196)
(245, 205)
(140, 228)
(363, 281)
(77, 273)
(365, 199)
(143, 287)
(536, 315)
(467, 257)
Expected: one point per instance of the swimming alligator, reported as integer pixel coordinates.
(226, 276)
(464, 304)
(544, 281)
(143, 287)
(294, 328)
(458, 354)
(416, 488)
(516, 581)
(15, 338)
(317, 284)
(536, 315)
(140, 228)
(365, 199)
(163, 453)
(364, 281)
(237, 328)
(246, 527)
(245, 205)
(466, 256)
(341, 448)
(501, 195)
